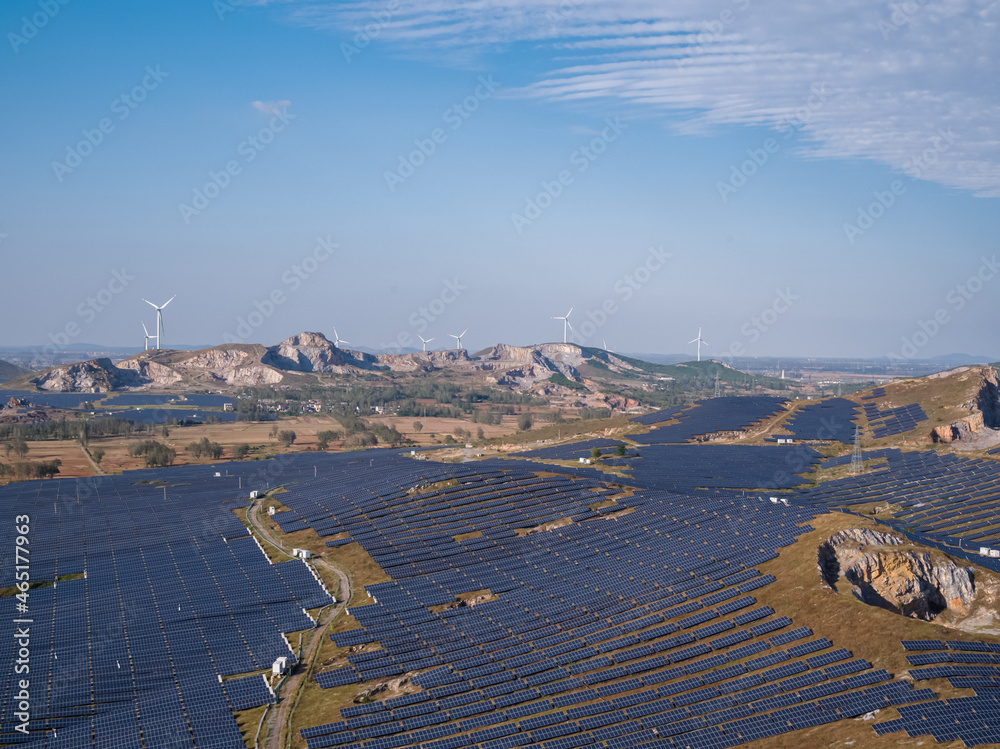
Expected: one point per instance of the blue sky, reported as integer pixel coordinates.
(817, 181)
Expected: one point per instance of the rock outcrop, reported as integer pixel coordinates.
(95, 376)
(883, 574)
(964, 429)
(983, 408)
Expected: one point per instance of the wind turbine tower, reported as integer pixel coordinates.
(566, 325)
(458, 338)
(699, 341)
(159, 316)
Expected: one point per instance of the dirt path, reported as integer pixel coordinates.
(90, 458)
(281, 717)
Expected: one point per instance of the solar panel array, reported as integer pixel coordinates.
(588, 630)
(967, 665)
(689, 468)
(658, 417)
(831, 419)
(892, 421)
(173, 594)
(943, 499)
(597, 632)
(876, 393)
(248, 692)
(574, 450)
(727, 414)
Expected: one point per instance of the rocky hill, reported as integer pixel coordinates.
(311, 354)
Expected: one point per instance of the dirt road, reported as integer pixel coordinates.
(281, 715)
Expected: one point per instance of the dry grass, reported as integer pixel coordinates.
(247, 720)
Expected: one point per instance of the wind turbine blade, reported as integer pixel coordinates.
(428, 340)
(694, 341)
(149, 303)
(570, 326)
(464, 332)
(570, 312)
(705, 344)
(169, 301)
(144, 330)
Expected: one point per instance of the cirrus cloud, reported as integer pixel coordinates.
(896, 77)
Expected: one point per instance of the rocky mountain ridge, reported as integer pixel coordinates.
(307, 354)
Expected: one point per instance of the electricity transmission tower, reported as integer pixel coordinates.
(857, 461)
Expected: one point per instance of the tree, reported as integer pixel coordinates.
(164, 431)
(524, 423)
(480, 434)
(286, 437)
(595, 452)
(98, 455)
(274, 431)
(17, 446)
(418, 425)
(240, 451)
(620, 451)
(324, 438)
(205, 448)
(156, 454)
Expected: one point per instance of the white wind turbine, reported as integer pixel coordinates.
(148, 336)
(159, 316)
(699, 341)
(425, 341)
(566, 324)
(337, 339)
(458, 338)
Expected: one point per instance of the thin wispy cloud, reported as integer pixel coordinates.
(271, 107)
(896, 77)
